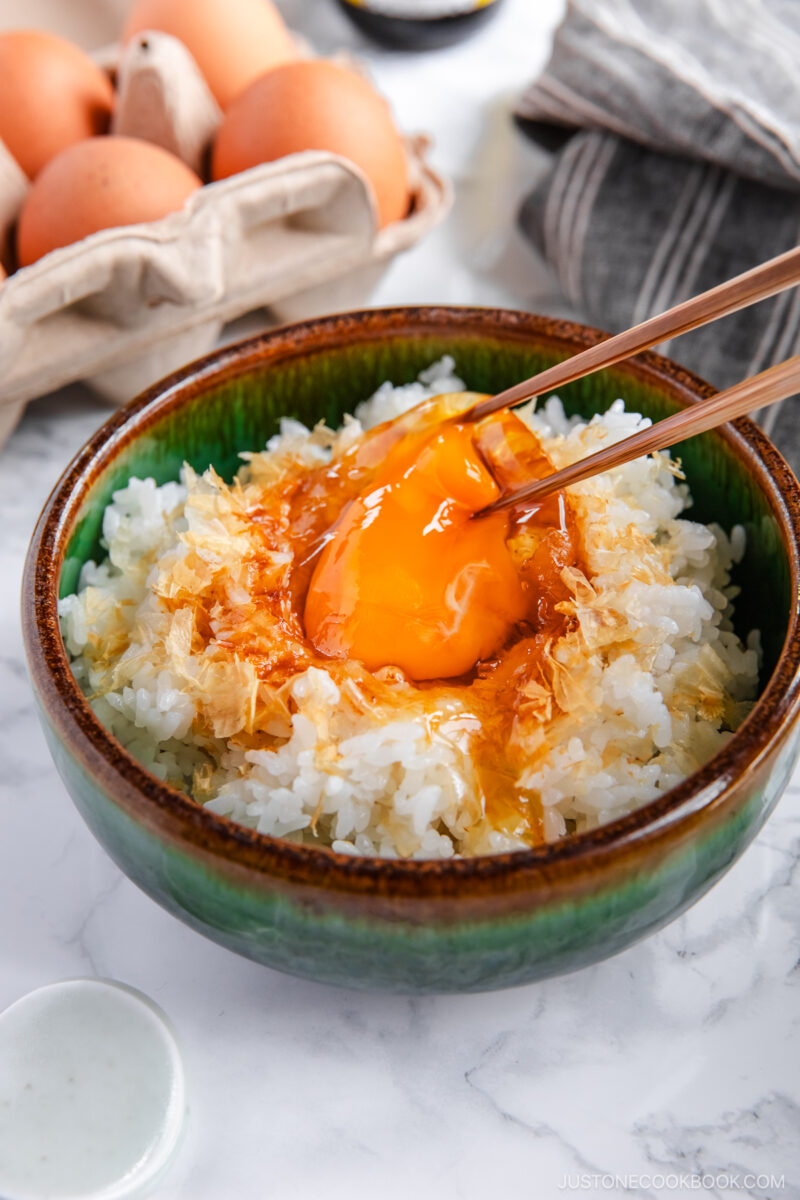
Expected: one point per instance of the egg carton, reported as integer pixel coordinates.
(295, 237)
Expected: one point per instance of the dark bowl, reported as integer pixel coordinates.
(417, 926)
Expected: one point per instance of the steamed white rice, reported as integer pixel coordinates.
(645, 686)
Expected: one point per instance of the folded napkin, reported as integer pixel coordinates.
(677, 130)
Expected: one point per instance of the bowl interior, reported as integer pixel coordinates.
(237, 407)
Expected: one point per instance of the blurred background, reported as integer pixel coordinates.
(461, 97)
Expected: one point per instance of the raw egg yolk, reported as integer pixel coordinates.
(408, 579)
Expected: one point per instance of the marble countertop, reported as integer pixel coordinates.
(670, 1070)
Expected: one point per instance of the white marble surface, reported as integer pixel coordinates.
(680, 1057)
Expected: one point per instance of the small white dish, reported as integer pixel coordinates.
(92, 1093)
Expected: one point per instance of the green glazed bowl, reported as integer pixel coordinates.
(416, 926)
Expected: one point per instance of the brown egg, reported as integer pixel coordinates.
(232, 41)
(317, 105)
(51, 95)
(98, 184)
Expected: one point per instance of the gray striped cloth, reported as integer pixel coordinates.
(677, 130)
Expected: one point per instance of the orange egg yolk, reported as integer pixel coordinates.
(409, 579)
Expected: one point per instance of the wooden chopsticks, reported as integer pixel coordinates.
(772, 385)
(743, 290)
(776, 383)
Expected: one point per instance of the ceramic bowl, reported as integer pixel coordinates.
(415, 926)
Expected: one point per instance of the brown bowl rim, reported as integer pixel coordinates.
(184, 822)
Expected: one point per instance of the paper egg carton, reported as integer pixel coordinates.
(121, 308)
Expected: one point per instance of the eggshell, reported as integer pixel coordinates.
(317, 105)
(232, 41)
(51, 96)
(98, 184)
